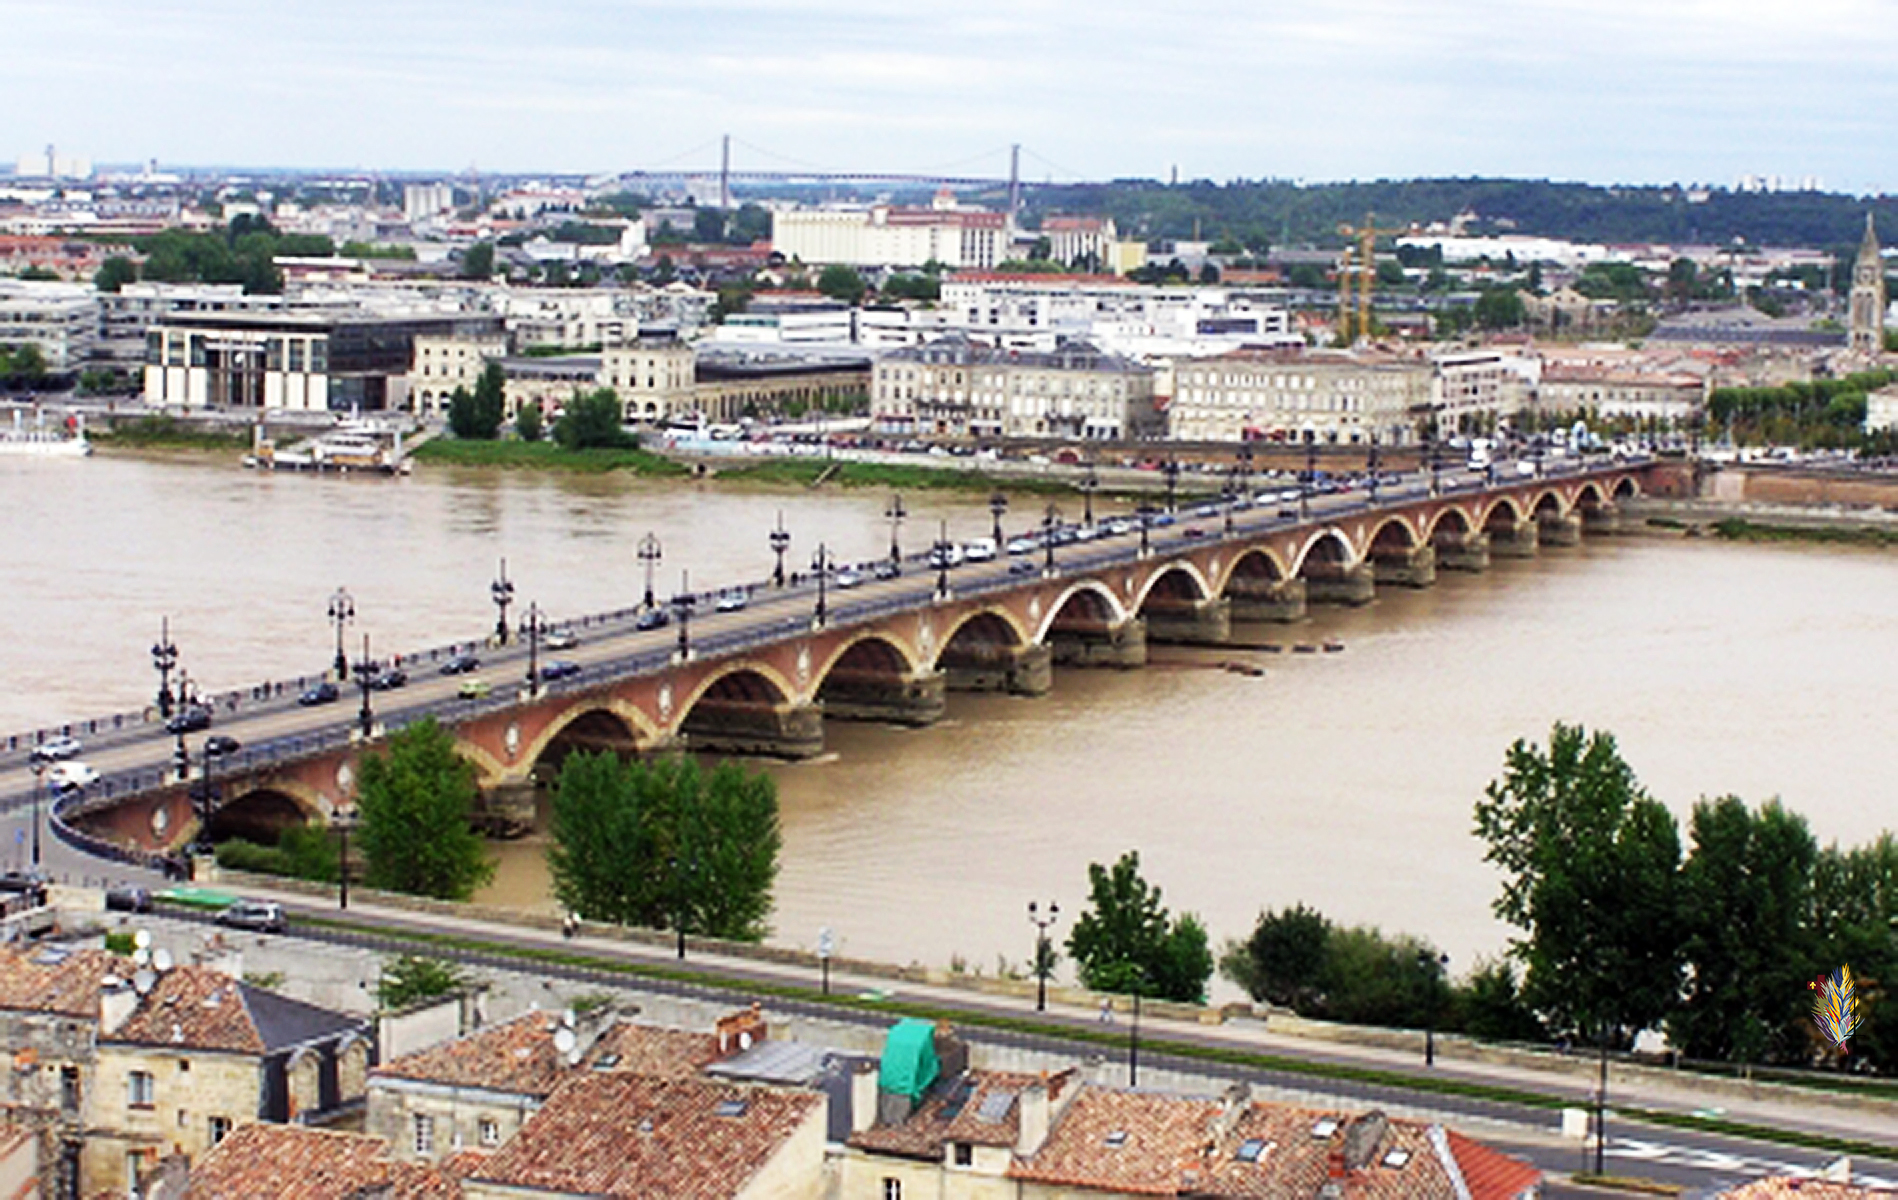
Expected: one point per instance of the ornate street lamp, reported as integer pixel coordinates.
(998, 504)
(894, 513)
(682, 608)
(1145, 515)
(1050, 521)
(1171, 469)
(1089, 483)
(164, 658)
(1310, 479)
(780, 542)
(343, 822)
(1245, 470)
(1371, 468)
(180, 756)
(1229, 492)
(342, 612)
(821, 563)
(39, 796)
(502, 592)
(367, 669)
(941, 553)
(1433, 965)
(1043, 960)
(649, 554)
(533, 650)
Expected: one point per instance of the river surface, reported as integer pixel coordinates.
(1345, 781)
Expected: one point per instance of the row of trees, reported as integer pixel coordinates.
(242, 252)
(591, 420)
(1823, 412)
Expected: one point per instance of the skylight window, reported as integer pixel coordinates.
(1116, 1139)
(1325, 1127)
(1250, 1150)
(1396, 1159)
(731, 1108)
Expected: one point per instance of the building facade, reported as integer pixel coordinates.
(886, 236)
(1298, 396)
(957, 387)
(1670, 398)
(444, 362)
(61, 319)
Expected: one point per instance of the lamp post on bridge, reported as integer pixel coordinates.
(533, 650)
(1090, 483)
(342, 611)
(180, 756)
(821, 563)
(1245, 470)
(1371, 469)
(1050, 521)
(649, 553)
(940, 552)
(367, 670)
(1229, 492)
(1310, 479)
(39, 797)
(204, 795)
(1044, 961)
(164, 659)
(1171, 469)
(998, 504)
(1144, 514)
(502, 592)
(682, 604)
(894, 513)
(780, 542)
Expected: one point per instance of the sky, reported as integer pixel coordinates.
(1604, 91)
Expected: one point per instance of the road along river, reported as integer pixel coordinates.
(1342, 780)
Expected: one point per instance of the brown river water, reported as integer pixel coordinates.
(1342, 780)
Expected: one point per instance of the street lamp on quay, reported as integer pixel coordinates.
(780, 542)
(1041, 922)
(342, 611)
(649, 554)
(998, 504)
(821, 563)
(682, 604)
(367, 669)
(164, 659)
(502, 592)
(343, 822)
(894, 513)
(1432, 965)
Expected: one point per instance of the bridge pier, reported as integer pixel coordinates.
(1517, 541)
(1188, 622)
(1415, 567)
(913, 700)
(1351, 586)
(1464, 552)
(1281, 601)
(1017, 670)
(1601, 519)
(1122, 646)
(1559, 531)
(786, 730)
(507, 809)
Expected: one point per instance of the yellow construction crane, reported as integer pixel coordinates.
(1359, 260)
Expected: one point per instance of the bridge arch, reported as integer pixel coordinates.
(590, 724)
(1494, 515)
(1626, 488)
(882, 652)
(1259, 563)
(986, 627)
(1175, 581)
(1451, 522)
(260, 814)
(1395, 535)
(739, 683)
(1588, 496)
(1087, 601)
(1548, 504)
(1328, 545)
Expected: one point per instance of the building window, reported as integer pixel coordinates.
(424, 1134)
(965, 1154)
(220, 1126)
(69, 1088)
(892, 1188)
(490, 1132)
(142, 1091)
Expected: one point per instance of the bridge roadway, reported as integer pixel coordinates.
(135, 756)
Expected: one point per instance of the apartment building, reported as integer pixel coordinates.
(883, 235)
(957, 387)
(1298, 395)
(62, 319)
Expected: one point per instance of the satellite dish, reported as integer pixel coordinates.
(141, 956)
(143, 980)
(142, 939)
(161, 959)
(567, 1018)
(565, 1040)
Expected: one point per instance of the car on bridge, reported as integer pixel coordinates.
(980, 550)
(389, 678)
(885, 569)
(560, 638)
(1021, 545)
(652, 618)
(476, 689)
(461, 664)
(732, 600)
(1021, 566)
(322, 692)
(189, 719)
(55, 749)
(849, 577)
(220, 744)
(560, 668)
(71, 775)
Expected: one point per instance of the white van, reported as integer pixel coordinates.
(980, 550)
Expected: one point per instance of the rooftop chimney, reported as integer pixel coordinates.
(740, 1031)
(117, 1002)
(863, 1098)
(1036, 1116)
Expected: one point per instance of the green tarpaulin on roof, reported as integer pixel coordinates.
(909, 1059)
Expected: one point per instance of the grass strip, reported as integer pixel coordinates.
(165, 432)
(1156, 1045)
(1739, 529)
(1626, 1183)
(546, 456)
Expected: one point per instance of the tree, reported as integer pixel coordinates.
(415, 800)
(462, 421)
(1491, 1006)
(1592, 872)
(1500, 308)
(840, 282)
(1127, 942)
(477, 261)
(591, 422)
(490, 402)
(527, 422)
(407, 979)
(1855, 910)
(1283, 961)
(114, 273)
(665, 844)
(26, 361)
(1746, 897)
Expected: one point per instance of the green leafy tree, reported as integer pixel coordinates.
(1746, 898)
(1283, 961)
(1592, 866)
(840, 282)
(477, 261)
(1500, 308)
(592, 422)
(114, 273)
(416, 799)
(1127, 942)
(1371, 979)
(1491, 1006)
(410, 979)
(26, 361)
(528, 422)
(1855, 906)
(462, 421)
(666, 844)
(481, 417)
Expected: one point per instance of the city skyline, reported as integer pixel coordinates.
(1607, 93)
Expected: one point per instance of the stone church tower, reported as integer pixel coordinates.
(1868, 296)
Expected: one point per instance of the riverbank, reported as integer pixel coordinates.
(165, 433)
(1766, 524)
(547, 456)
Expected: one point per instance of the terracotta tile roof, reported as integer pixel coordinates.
(516, 1056)
(203, 1009)
(296, 1162)
(978, 1107)
(623, 1135)
(51, 979)
(652, 1051)
(1490, 1174)
(1276, 1150)
(1141, 1143)
(1788, 1188)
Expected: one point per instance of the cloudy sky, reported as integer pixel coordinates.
(1608, 91)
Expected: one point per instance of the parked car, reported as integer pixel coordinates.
(389, 679)
(263, 916)
(461, 663)
(652, 618)
(324, 692)
(127, 898)
(54, 749)
(221, 743)
(561, 639)
(189, 719)
(474, 689)
(71, 775)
